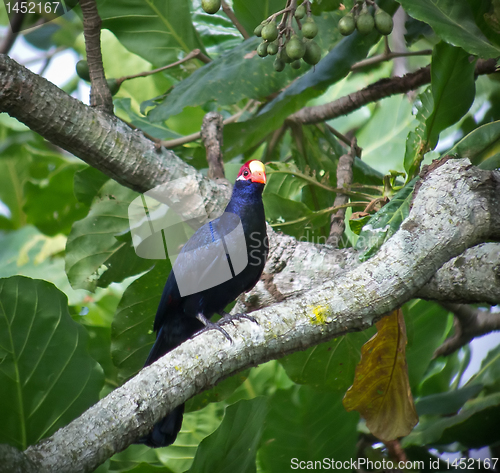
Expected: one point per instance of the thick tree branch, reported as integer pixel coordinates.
(108, 144)
(469, 324)
(455, 208)
(374, 92)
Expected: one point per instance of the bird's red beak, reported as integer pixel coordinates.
(258, 171)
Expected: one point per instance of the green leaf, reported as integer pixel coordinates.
(131, 332)
(446, 403)
(47, 377)
(157, 130)
(28, 252)
(157, 30)
(51, 204)
(87, 184)
(218, 393)
(426, 324)
(480, 144)
(94, 254)
(385, 222)
(241, 136)
(236, 75)
(306, 425)
(489, 373)
(236, 447)
(329, 366)
(250, 14)
(475, 426)
(452, 76)
(452, 21)
(417, 142)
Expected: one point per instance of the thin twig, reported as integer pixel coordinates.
(469, 324)
(326, 211)
(387, 56)
(16, 22)
(195, 53)
(196, 136)
(230, 14)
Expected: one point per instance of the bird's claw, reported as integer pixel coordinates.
(211, 326)
(232, 317)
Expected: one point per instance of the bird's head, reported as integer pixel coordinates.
(252, 171)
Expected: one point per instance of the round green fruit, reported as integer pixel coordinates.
(365, 23)
(300, 12)
(258, 30)
(347, 25)
(295, 48)
(272, 48)
(262, 49)
(309, 28)
(113, 86)
(279, 64)
(211, 6)
(296, 64)
(284, 56)
(312, 54)
(383, 22)
(82, 69)
(270, 31)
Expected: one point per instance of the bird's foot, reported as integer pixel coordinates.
(211, 326)
(226, 317)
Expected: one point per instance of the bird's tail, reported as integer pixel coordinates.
(179, 330)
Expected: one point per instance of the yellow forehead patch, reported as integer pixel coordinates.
(257, 166)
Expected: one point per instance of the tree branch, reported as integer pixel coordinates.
(353, 302)
(126, 155)
(211, 135)
(374, 92)
(344, 180)
(469, 324)
(100, 96)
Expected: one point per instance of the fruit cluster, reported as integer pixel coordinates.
(364, 21)
(283, 42)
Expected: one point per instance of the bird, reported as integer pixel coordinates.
(222, 259)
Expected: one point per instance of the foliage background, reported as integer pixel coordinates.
(77, 304)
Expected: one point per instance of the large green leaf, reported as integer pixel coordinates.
(452, 76)
(156, 30)
(50, 203)
(480, 144)
(235, 441)
(475, 426)
(47, 377)
(329, 366)
(385, 222)
(489, 373)
(131, 331)
(96, 254)
(28, 252)
(452, 21)
(304, 425)
(426, 325)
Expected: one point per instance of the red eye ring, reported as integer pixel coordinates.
(246, 173)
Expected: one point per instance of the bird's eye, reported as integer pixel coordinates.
(246, 173)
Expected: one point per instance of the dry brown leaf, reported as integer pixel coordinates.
(381, 390)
